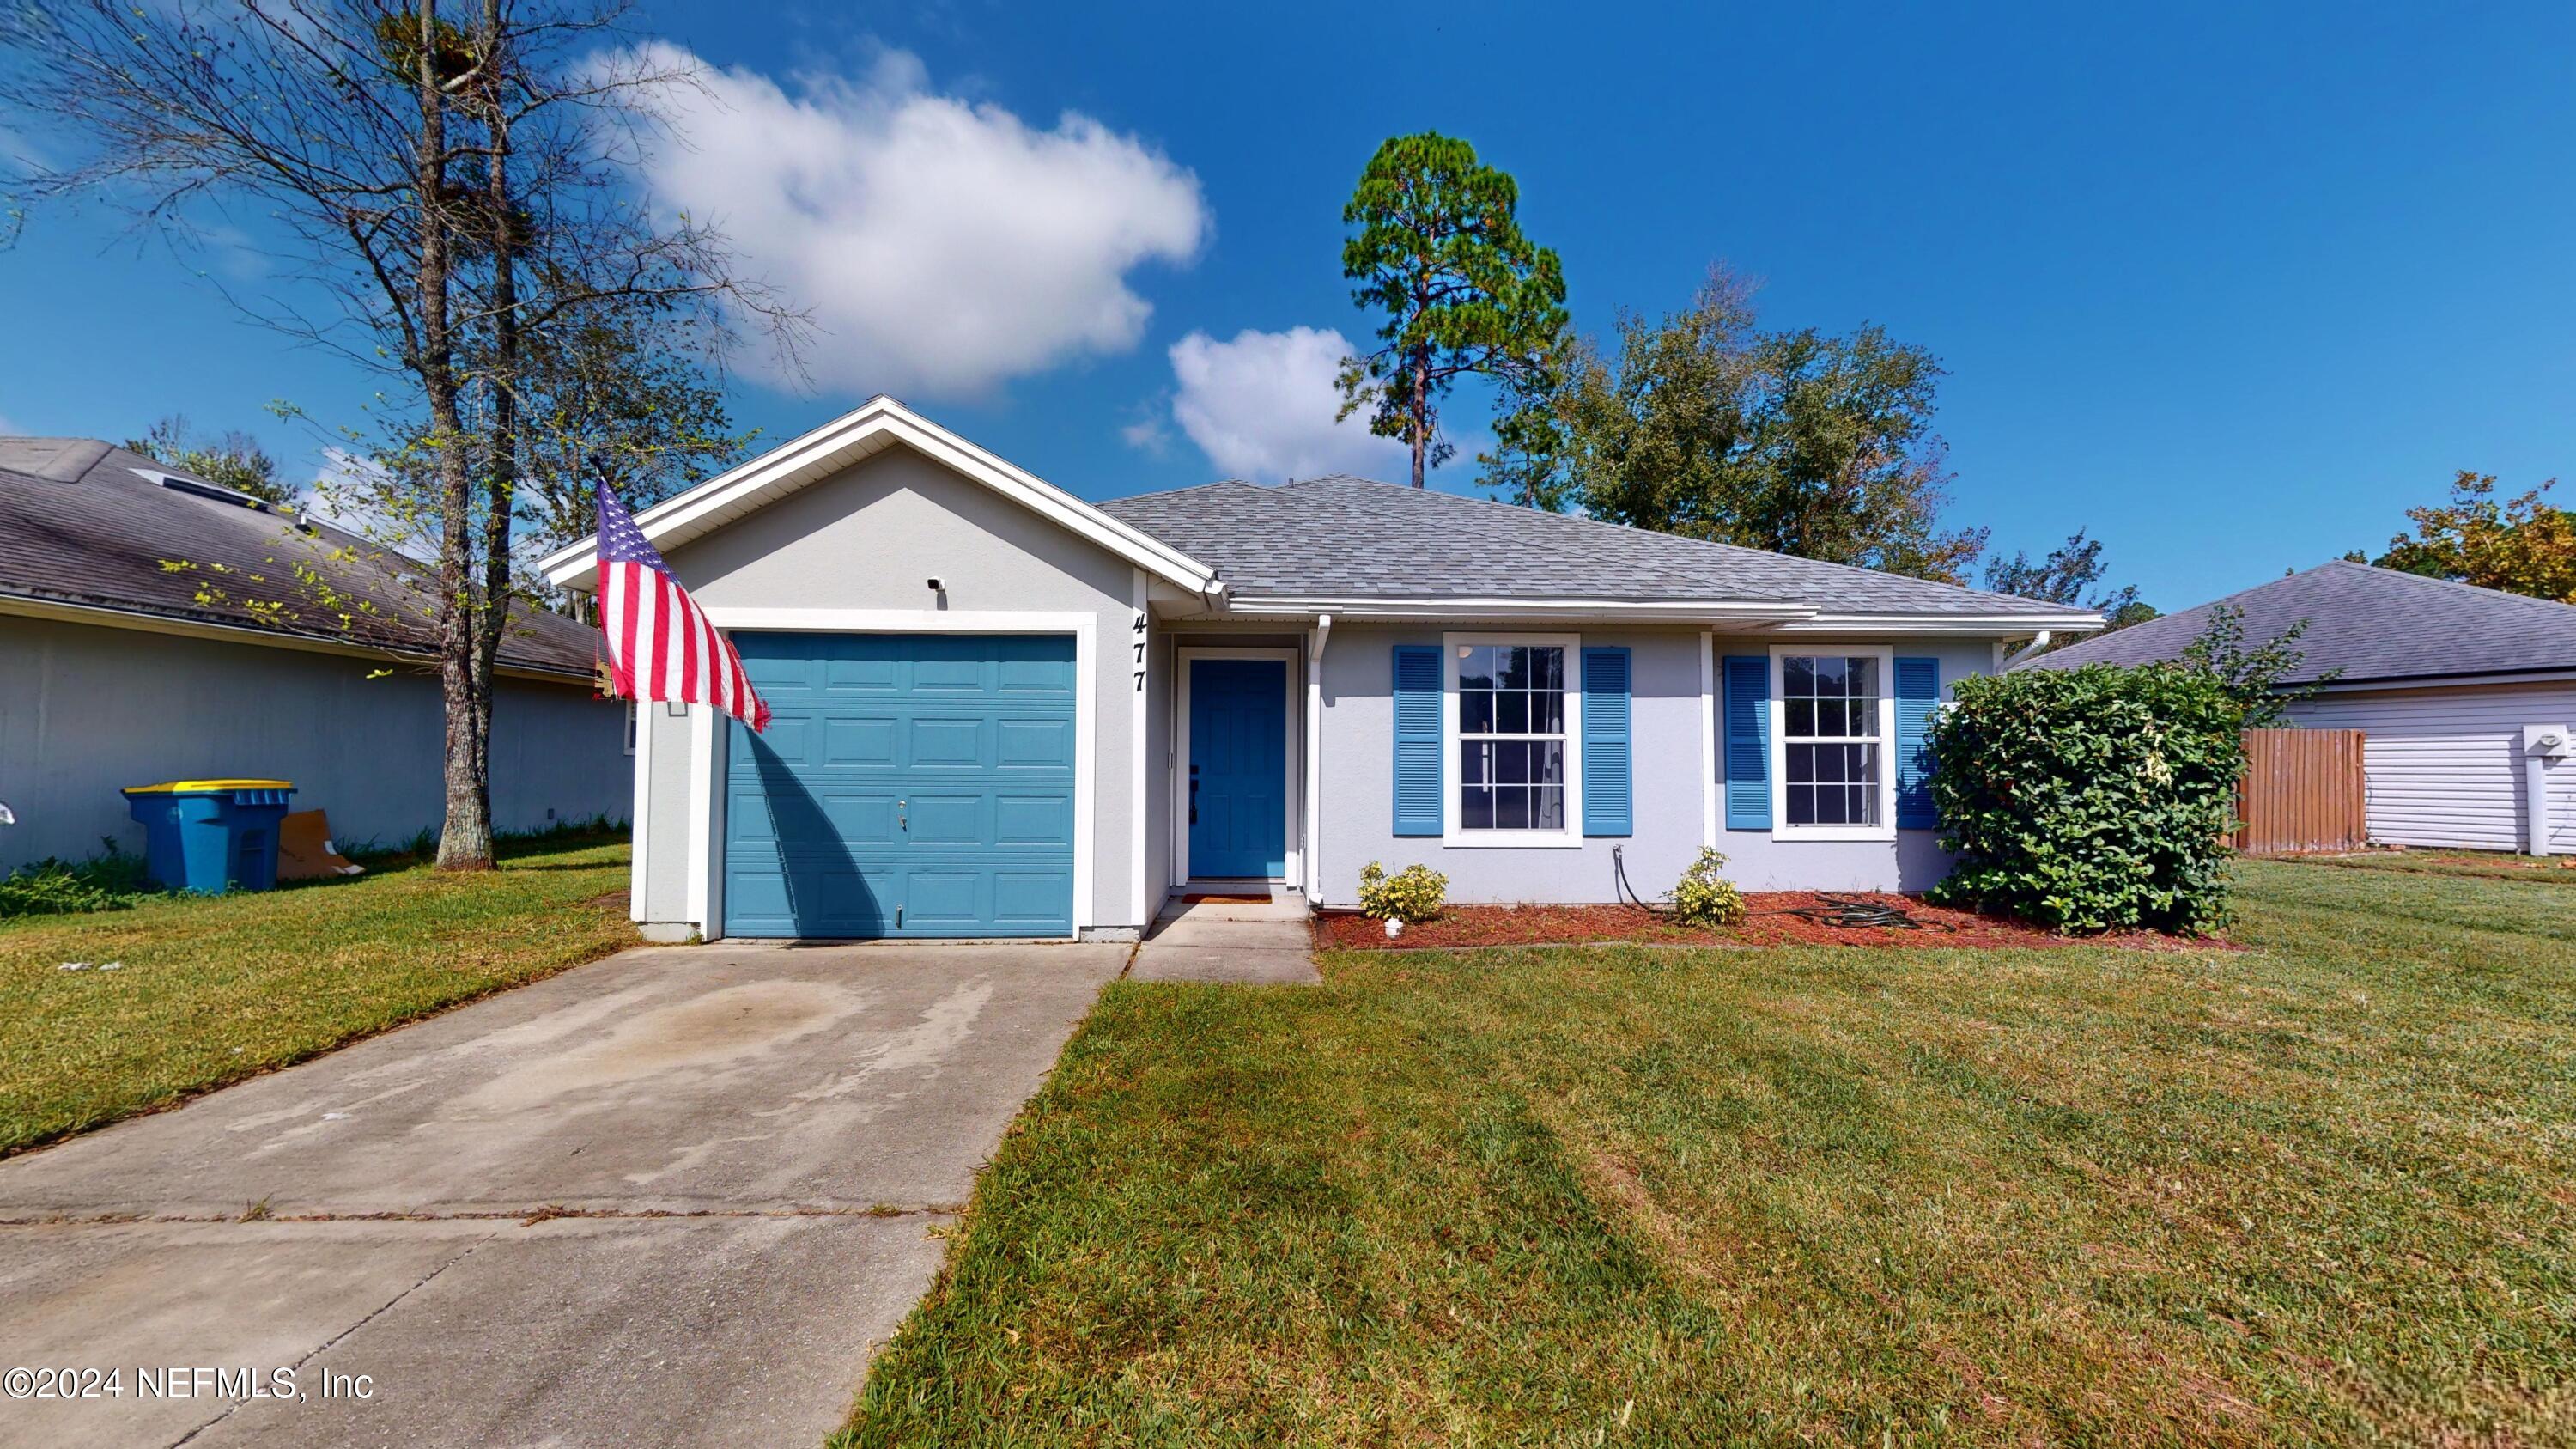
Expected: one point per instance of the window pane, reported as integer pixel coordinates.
(1802, 764)
(1797, 676)
(1511, 713)
(1515, 663)
(1863, 762)
(1511, 808)
(1802, 804)
(1475, 666)
(1511, 764)
(1473, 764)
(1862, 805)
(1830, 764)
(1861, 670)
(1475, 712)
(1829, 717)
(1829, 805)
(1547, 668)
(1547, 713)
(1802, 718)
(1829, 676)
(1548, 807)
(1476, 808)
(1547, 762)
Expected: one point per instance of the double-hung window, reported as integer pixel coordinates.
(1514, 772)
(1834, 723)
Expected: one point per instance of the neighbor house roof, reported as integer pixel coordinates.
(1353, 537)
(2370, 623)
(91, 531)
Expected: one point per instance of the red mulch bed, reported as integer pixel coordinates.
(1768, 922)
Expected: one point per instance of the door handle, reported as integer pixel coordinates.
(902, 821)
(1194, 794)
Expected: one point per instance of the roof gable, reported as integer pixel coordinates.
(2371, 623)
(879, 424)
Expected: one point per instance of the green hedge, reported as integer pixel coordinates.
(2090, 799)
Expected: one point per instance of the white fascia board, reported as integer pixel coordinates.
(2503, 680)
(728, 495)
(1691, 611)
(1966, 625)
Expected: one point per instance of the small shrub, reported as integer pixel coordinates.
(109, 881)
(1705, 898)
(1415, 893)
(2090, 799)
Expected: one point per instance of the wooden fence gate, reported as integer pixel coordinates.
(2303, 790)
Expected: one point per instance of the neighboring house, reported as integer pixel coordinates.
(2440, 677)
(154, 626)
(1000, 710)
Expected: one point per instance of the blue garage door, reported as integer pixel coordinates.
(908, 785)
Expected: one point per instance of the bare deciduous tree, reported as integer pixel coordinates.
(446, 199)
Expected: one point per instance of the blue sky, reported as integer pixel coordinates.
(2229, 288)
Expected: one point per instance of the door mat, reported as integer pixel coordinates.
(1196, 898)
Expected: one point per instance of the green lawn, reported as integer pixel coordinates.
(214, 989)
(2321, 1191)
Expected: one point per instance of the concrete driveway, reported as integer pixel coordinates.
(674, 1197)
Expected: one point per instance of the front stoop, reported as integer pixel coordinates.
(1245, 942)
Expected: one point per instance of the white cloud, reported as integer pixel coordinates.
(943, 245)
(1261, 407)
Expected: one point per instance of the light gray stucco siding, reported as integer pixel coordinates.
(1672, 759)
(870, 538)
(85, 710)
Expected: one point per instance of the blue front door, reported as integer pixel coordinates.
(908, 785)
(1238, 767)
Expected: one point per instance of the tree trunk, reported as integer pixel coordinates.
(501, 444)
(1421, 412)
(465, 841)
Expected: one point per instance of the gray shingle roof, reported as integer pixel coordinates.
(1344, 535)
(79, 526)
(2373, 623)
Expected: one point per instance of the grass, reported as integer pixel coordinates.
(2489, 864)
(213, 989)
(2322, 1191)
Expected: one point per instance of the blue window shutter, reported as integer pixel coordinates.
(1608, 767)
(1417, 739)
(1744, 723)
(1918, 694)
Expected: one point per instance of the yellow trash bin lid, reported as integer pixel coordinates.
(176, 787)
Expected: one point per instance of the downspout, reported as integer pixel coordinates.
(2037, 642)
(1314, 872)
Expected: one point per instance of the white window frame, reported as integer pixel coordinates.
(1453, 816)
(1885, 829)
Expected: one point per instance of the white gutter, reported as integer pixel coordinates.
(1697, 611)
(1320, 636)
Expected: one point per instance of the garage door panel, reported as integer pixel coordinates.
(973, 735)
(1021, 744)
(947, 740)
(858, 742)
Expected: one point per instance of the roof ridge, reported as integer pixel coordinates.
(1633, 531)
(2410, 574)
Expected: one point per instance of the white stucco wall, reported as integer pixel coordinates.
(85, 710)
(1672, 758)
(868, 538)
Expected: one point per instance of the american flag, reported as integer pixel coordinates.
(660, 645)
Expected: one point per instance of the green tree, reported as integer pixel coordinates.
(2064, 577)
(1700, 423)
(2524, 546)
(2254, 677)
(235, 460)
(1438, 253)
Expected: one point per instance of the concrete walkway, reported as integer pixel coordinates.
(1246, 942)
(671, 1198)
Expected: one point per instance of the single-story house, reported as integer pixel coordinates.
(2440, 677)
(154, 626)
(999, 710)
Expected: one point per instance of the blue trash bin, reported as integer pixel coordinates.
(210, 835)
